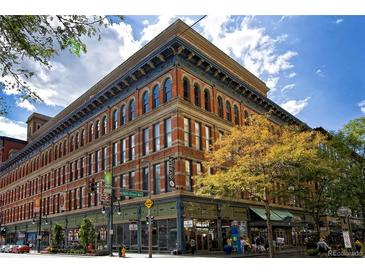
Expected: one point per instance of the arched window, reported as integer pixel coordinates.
(82, 139)
(197, 95)
(104, 125)
(50, 156)
(236, 115)
(115, 120)
(220, 106)
(145, 102)
(56, 152)
(60, 151)
(131, 110)
(64, 148)
(186, 88)
(207, 100)
(72, 143)
(97, 129)
(228, 111)
(156, 96)
(123, 115)
(77, 139)
(45, 158)
(167, 96)
(247, 117)
(91, 133)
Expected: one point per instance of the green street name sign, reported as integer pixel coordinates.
(131, 193)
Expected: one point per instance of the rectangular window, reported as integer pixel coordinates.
(220, 134)
(58, 203)
(96, 161)
(145, 178)
(82, 167)
(64, 175)
(59, 177)
(187, 132)
(167, 168)
(208, 137)
(198, 136)
(90, 164)
(115, 153)
(103, 158)
(168, 133)
(123, 151)
(199, 168)
(132, 147)
(80, 197)
(188, 175)
(156, 137)
(131, 180)
(156, 178)
(123, 180)
(76, 170)
(71, 174)
(75, 198)
(70, 200)
(145, 144)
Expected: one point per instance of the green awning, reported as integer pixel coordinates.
(275, 214)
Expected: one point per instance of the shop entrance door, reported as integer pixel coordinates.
(202, 242)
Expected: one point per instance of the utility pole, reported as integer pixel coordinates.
(149, 213)
(39, 236)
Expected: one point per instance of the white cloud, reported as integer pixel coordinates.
(26, 105)
(338, 21)
(295, 106)
(13, 129)
(319, 72)
(291, 75)
(362, 106)
(272, 82)
(287, 87)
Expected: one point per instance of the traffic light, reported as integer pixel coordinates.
(152, 219)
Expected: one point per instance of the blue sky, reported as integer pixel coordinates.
(313, 64)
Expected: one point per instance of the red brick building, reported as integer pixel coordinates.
(9, 146)
(170, 100)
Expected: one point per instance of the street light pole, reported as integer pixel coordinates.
(149, 213)
(39, 236)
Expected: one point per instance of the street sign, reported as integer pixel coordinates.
(37, 204)
(148, 203)
(346, 239)
(133, 227)
(131, 193)
(171, 172)
(102, 196)
(188, 223)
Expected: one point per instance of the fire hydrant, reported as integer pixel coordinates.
(124, 249)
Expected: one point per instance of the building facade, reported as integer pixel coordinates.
(149, 120)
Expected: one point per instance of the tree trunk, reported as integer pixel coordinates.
(269, 227)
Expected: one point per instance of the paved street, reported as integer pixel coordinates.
(290, 253)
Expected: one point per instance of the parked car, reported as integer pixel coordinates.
(21, 249)
(8, 248)
(2, 248)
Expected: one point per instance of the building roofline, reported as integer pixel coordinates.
(13, 140)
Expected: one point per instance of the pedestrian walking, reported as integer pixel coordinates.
(357, 244)
(323, 248)
(192, 246)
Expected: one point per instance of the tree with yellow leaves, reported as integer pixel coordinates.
(255, 158)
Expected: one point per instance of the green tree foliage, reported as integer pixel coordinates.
(87, 232)
(39, 38)
(350, 145)
(255, 159)
(57, 235)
